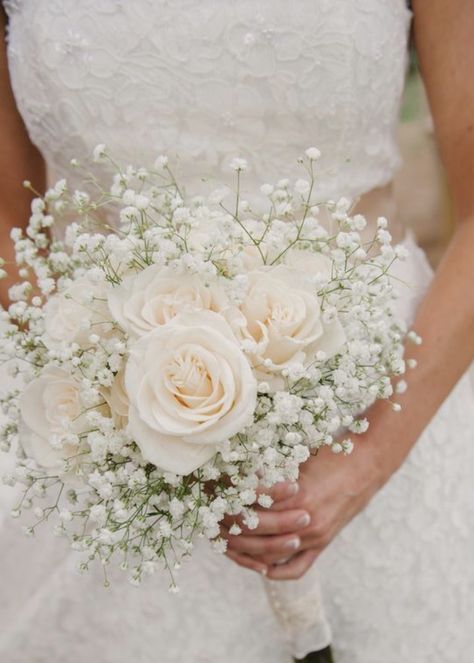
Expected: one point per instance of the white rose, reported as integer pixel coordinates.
(156, 295)
(190, 387)
(50, 408)
(283, 319)
(309, 262)
(117, 399)
(75, 313)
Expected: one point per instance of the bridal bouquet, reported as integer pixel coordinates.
(173, 355)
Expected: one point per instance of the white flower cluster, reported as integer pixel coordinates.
(173, 354)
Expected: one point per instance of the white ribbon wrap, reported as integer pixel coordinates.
(298, 606)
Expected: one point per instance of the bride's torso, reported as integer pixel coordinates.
(209, 80)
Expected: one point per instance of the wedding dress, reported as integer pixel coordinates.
(204, 81)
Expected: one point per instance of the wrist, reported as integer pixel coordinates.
(386, 443)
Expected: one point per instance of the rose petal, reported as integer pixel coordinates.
(169, 453)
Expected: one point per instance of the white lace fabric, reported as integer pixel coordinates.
(210, 80)
(262, 79)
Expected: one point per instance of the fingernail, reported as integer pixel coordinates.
(293, 488)
(293, 544)
(263, 572)
(304, 520)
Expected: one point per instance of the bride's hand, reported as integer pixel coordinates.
(332, 490)
(277, 534)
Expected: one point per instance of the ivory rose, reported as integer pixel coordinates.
(310, 263)
(282, 317)
(156, 295)
(190, 387)
(117, 399)
(75, 313)
(50, 408)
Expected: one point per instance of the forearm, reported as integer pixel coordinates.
(14, 213)
(19, 160)
(8, 256)
(15, 203)
(445, 321)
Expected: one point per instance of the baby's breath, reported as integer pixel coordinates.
(93, 483)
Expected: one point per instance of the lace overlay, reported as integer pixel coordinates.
(210, 80)
(262, 79)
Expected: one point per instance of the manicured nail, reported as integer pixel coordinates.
(293, 544)
(293, 488)
(304, 520)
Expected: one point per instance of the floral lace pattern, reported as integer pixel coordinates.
(263, 79)
(212, 80)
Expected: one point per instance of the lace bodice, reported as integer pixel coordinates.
(209, 80)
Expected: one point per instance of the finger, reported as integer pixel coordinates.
(248, 562)
(295, 568)
(296, 501)
(285, 560)
(273, 548)
(281, 522)
(273, 522)
(283, 490)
